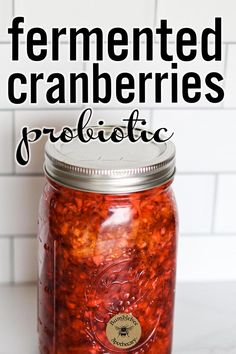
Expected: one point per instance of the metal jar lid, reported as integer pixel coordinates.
(110, 168)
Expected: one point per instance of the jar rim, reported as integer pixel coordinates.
(110, 168)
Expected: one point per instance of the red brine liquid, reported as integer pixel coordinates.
(107, 267)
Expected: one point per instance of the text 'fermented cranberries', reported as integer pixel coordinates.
(107, 249)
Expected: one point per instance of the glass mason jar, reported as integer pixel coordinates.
(107, 249)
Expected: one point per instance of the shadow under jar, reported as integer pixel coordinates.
(107, 249)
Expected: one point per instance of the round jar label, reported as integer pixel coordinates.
(123, 331)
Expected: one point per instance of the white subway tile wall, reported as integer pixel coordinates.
(205, 139)
(195, 199)
(209, 258)
(226, 204)
(6, 142)
(230, 97)
(117, 116)
(5, 260)
(6, 12)
(199, 15)
(204, 133)
(19, 204)
(25, 262)
(104, 14)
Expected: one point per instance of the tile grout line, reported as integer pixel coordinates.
(214, 204)
(18, 174)
(202, 235)
(225, 72)
(152, 120)
(196, 173)
(84, 68)
(112, 108)
(205, 173)
(13, 142)
(18, 236)
(155, 14)
(12, 260)
(13, 8)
